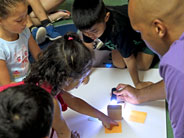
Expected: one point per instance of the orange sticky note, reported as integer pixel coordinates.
(115, 129)
(137, 116)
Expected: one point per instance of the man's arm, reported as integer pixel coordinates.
(137, 96)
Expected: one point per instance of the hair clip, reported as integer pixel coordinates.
(70, 38)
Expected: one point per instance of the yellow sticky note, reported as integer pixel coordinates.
(137, 116)
(115, 129)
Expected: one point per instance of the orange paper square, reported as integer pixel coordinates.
(115, 129)
(137, 116)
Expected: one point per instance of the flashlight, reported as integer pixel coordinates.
(113, 96)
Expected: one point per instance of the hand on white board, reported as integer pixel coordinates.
(107, 121)
(86, 80)
(127, 93)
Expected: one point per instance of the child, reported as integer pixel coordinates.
(21, 112)
(15, 39)
(63, 67)
(111, 26)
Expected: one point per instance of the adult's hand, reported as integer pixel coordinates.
(127, 93)
(132, 95)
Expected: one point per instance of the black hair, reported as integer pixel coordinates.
(5, 6)
(26, 111)
(86, 13)
(67, 58)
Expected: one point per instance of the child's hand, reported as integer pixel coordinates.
(107, 121)
(141, 85)
(75, 134)
(86, 79)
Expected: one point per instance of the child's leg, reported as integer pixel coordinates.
(59, 14)
(117, 59)
(39, 34)
(47, 7)
(36, 21)
(29, 22)
(38, 10)
(51, 5)
(144, 60)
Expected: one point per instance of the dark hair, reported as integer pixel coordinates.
(26, 111)
(68, 57)
(86, 13)
(5, 6)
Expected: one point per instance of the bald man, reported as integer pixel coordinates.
(161, 24)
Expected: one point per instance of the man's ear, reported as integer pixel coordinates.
(160, 28)
(107, 16)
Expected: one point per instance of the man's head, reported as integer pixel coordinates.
(26, 111)
(90, 17)
(159, 22)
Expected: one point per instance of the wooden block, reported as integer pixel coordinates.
(115, 112)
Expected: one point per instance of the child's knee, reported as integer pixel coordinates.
(144, 64)
(144, 61)
(117, 59)
(120, 65)
(144, 67)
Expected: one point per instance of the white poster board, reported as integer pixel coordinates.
(97, 93)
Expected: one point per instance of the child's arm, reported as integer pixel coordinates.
(132, 68)
(34, 48)
(82, 107)
(59, 124)
(4, 74)
(86, 79)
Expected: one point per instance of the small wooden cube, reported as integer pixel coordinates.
(115, 112)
